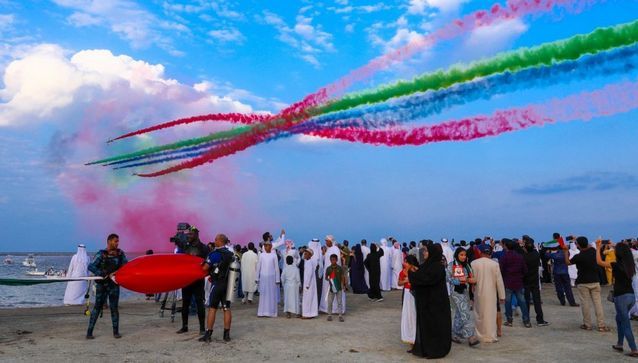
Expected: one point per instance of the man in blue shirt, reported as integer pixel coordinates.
(561, 276)
(218, 265)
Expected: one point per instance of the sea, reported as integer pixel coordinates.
(40, 295)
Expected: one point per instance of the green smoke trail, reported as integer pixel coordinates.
(599, 40)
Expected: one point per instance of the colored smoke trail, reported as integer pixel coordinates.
(610, 100)
(420, 106)
(458, 27)
(599, 40)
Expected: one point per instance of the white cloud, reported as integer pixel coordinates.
(349, 28)
(230, 35)
(419, 7)
(488, 39)
(47, 84)
(126, 19)
(367, 9)
(6, 21)
(303, 36)
(313, 140)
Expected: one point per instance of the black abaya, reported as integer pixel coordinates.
(433, 318)
(373, 264)
(357, 272)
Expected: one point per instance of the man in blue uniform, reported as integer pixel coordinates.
(217, 265)
(106, 262)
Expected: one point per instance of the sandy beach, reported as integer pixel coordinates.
(370, 334)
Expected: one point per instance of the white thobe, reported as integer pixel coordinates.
(365, 251)
(572, 269)
(447, 252)
(397, 266)
(323, 304)
(291, 281)
(309, 301)
(268, 278)
(248, 271)
(386, 269)
(79, 267)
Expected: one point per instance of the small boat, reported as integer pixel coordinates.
(35, 272)
(29, 261)
(53, 274)
(8, 261)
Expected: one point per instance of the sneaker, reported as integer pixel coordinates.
(117, 335)
(542, 323)
(379, 300)
(90, 337)
(183, 330)
(372, 300)
(527, 324)
(507, 323)
(329, 317)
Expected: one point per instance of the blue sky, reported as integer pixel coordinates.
(76, 72)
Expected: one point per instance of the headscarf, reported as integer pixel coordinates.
(435, 254)
(358, 255)
(82, 256)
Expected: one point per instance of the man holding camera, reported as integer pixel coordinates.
(187, 241)
(217, 265)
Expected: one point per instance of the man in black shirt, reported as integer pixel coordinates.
(531, 280)
(587, 283)
(194, 247)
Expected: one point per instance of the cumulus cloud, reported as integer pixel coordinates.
(489, 39)
(46, 84)
(230, 35)
(419, 7)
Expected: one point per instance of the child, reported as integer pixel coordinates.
(291, 281)
(408, 314)
(337, 280)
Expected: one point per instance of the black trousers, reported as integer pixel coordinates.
(196, 291)
(533, 293)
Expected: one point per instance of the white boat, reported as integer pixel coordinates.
(35, 272)
(29, 261)
(8, 261)
(55, 274)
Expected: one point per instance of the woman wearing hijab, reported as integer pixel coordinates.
(433, 321)
(373, 264)
(461, 279)
(357, 272)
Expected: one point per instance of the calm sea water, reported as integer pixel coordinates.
(39, 295)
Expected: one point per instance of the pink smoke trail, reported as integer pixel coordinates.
(248, 118)
(480, 18)
(610, 100)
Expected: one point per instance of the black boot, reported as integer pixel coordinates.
(207, 337)
(227, 335)
(184, 329)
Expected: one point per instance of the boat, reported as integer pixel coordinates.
(55, 274)
(8, 261)
(35, 272)
(29, 261)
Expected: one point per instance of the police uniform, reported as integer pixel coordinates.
(103, 265)
(219, 263)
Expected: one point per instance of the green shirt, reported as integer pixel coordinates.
(334, 274)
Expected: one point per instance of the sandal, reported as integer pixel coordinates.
(585, 327)
(617, 348)
(456, 340)
(604, 329)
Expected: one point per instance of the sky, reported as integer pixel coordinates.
(77, 72)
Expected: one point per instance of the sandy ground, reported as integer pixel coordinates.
(371, 333)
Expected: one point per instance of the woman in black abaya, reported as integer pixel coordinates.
(373, 264)
(433, 316)
(357, 272)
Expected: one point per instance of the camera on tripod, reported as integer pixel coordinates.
(180, 238)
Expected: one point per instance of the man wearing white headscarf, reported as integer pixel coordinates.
(397, 264)
(572, 269)
(386, 268)
(79, 267)
(267, 280)
(365, 250)
(447, 250)
(332, 249)
(309, 302)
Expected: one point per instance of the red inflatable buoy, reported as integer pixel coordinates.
(153, 274)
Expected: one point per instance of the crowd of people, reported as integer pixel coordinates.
(452, 292)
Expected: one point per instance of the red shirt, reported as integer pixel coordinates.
(402, 275)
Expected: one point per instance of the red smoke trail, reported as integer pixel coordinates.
(610, 100)
(480, 18)
(249, 118)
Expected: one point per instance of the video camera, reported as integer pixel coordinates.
(180, 238)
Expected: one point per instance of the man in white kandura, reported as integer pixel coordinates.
(79, 267)
(332, 249)
(447, 250)
(386, 269)
(267, 280)
(365, 250)
(248, 273)
(309, 303)
(397, 264)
